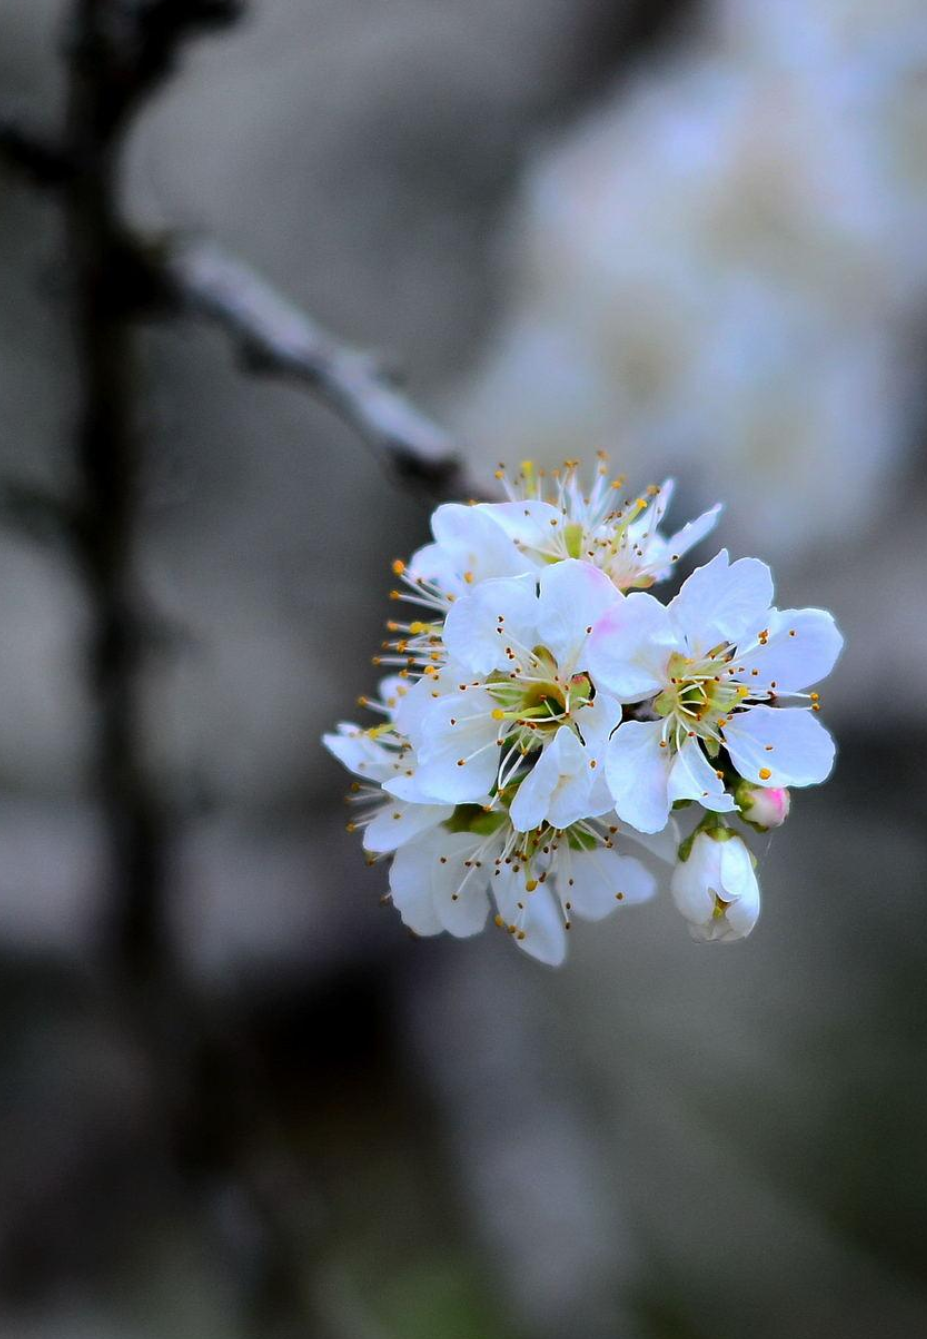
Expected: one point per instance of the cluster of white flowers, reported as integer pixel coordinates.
(548, 713)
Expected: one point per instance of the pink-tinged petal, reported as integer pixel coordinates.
(776, 746)
(400, 822)
(692, 777)
(573, 596)
(603, 880)
(801, 649)
(638, 775)
(490, 618)
(630, 647)
(723, 602)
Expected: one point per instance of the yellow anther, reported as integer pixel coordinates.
(531, 885)
(765, 773)
(398, 567)
(498, 714)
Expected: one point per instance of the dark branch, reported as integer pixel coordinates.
(31, 153)
(275, 338)
(271, 334)
(125, 49)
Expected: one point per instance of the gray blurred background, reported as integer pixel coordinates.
(691, 233)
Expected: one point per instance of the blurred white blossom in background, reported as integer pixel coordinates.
(720, 268)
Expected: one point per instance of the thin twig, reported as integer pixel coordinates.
(276, 338)
(272, 335)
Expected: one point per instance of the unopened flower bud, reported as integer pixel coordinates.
(715, 887)
(763, 806)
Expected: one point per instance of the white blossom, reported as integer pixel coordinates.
(539, 881)
(551, 516)
(715, 665)
(546, 711)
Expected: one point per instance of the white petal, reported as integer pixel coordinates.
(693, 532)
(489, 618)
(630, 647)
(476, 542)
(398, 822)
(544, 934)
(458, 754)
(529, 807)
(439, 567)
(597, 722)
(802, 649)
(603, 880)
(738, 878)
(539, 917)
(459, 891)
(410, 711)
(410, 884)
(692, 777)
(723, 601)
(776, 746)
(743, 914)
(691, 892)
(572, 598)
(528, 522)
(557, 787)
(638, 773)
(356, 750)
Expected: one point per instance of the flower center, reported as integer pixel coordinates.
(539, 704)
(699, 695)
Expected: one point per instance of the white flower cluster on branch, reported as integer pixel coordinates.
(547, 715)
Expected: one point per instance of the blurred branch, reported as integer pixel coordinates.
(272, 335)
(117, 54)
(275, 338)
